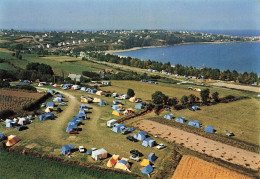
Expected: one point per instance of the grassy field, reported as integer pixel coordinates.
(19, 166)
(5, 50)
(192, 167)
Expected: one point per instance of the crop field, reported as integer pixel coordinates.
(23, 39)
(5, 50)
(3, 41)
(15, 99)
(61, 58)
(30, 167)
(192, 167)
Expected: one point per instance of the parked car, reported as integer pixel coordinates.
(135, 158)
(62, 104)
(73, 132)
(21, 128)
(91, 150)
(125, 131)
(191, 109)
(167, 109)
(136, 153)
(160, 146)
(131, 138)
(230, 134)
(81, 149)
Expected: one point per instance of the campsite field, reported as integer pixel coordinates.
(14, 165)
(192, 167)
(16, 99)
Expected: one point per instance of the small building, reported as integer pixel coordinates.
(168, 116)
(148, 142)
(99, 154)
(152, 157)
(118, 128)
(82, 54)
(65, 149)
(76, 77)
(106, 83)
(210, 129)
(140, 135)
(180, 120)
(194, 124)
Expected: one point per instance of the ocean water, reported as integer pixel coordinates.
(242, 57)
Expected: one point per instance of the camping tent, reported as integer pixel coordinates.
(102, 103)
(117, 113)
(117, 102)
(84, 106)
(194, 124)
(118, 128)
(2, 136)
(71, 128)
(48, 109)
(99, 154)
(52, 91)
(145, 162)
(132, 99)
(140, 135)
(59, 95)
(22, 121)
(139, 106)
(66, 149)
(114, 95)
(96, 100)
(210, 129)
(11, 140)
(123, 164)
(83, 88)
(168, 116)
(100, 93)
(8, 123)
(81, 116)
(115, 107)
(113, 160)
(46, 116)
(151, 157)
(195, 107)
(50, 104)
(57, 99)
(148, 169)
(148, 142)
(66, 86)
(92, 90)
(73, 121)
(180, 120)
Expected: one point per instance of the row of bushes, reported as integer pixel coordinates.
(6, 113)
(34, 105)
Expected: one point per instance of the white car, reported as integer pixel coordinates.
(160, 146)
(81, 149)
(135, 158)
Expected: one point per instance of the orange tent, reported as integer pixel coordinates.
(113, 160)
(145, 162)
(11, 140)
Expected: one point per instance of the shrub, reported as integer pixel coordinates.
(6, 113)
(35, 104)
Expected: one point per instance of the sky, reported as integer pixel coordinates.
(130, 14)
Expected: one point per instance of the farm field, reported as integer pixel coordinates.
(3, 41)
(192, 167)
(23, 39)
(5, 50)
(15, 165)
(16, 99)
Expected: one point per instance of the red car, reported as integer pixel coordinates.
(73, 132)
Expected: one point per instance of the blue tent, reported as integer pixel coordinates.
(152, 82)
(59, 95)
(50, 104)
(83, 106)
(195, 107)
(140, 135)
(118, 128)
(66, 149)
(180, 120)
(81, 115)
(26, 81)
(74, 121)
(8, 123)
(148, 169)
(83, 88)
(2, 136)
(71, 127)
(115, 107)
(46, 116)
(57, 99)
(139, 106)
(131, 129)
(143, 80)
(148, 142)
(102, 103)
(82, 111)
(66, 86)
(92, 90)
(52, 91)
(194, 124)
(152, 157)
(168, 116)
(210, 129)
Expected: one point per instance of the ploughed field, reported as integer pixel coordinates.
(192, 167)
(16, 99)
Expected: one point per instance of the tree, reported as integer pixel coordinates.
(215, 97)
(158, 97)
(184, 99)
(130, 93)
(192, 98)
(204, 96)
(172, 101)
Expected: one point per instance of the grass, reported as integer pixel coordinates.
(4, 66)
(14, 165)
(5, 50)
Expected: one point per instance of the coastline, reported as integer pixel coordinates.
(185, 43)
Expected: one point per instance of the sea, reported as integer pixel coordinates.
(240, 56)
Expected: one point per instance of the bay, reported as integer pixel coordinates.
(242, 56)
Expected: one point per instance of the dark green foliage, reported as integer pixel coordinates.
(34, 105)
(40, 68)
(172, 101)
(24, 87)
(157, 108)
(4, 84)
(130, 93)
(204, 96)
(215, 97)
(6, 74)
(184, 99)
(158, 97)
(192, 98)
(6, 113)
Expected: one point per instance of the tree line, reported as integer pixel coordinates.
(207, 73)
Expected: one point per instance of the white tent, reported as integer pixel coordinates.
(99, 154)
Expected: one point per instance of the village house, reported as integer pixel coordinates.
(75, 77)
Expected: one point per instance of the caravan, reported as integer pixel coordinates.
(111, 122)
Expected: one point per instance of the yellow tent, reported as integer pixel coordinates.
(145, 162)
(100, 93)
(113, 160)
(11, 140)
(123, 164)
(116, 113)
(84, 100)
(48, 109)
(96, 100)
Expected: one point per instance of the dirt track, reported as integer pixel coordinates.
(201, 144)
(239, 87)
